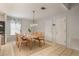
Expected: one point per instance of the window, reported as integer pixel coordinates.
(14, 27)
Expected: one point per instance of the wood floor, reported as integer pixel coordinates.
(50, 49)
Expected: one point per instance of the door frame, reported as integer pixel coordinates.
(65, 29)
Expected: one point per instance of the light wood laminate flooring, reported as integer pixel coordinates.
(49, 49)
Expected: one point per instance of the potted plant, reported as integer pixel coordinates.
(29, 29)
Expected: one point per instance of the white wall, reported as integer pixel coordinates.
(25, 25)
(24, 29)
(73, 31)
(8, 37)
(45, 25)
(72, 28)
(2, 17)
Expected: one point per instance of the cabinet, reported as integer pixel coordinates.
(2, 32)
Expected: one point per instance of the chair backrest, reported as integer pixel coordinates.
(39, 34)
(18, 37)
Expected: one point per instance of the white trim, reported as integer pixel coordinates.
(65, 7)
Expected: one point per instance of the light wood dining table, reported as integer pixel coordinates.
(31, 38)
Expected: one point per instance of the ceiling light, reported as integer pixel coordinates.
(43, 8)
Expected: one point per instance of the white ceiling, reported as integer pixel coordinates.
(25, 9)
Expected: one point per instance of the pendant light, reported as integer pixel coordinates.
(34, 24)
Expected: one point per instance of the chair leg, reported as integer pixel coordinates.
(44, 42)
(39, 43)
(34, 42)
(18, 45)
(30, 45)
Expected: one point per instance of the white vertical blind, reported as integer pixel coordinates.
(15, 25)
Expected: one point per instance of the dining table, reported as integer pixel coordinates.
(30, 37)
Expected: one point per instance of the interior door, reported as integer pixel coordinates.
(60, 30)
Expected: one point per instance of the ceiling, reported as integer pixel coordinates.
(25, 9)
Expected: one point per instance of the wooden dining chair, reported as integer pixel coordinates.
(40, 37)
(17, 41)
(20, 41)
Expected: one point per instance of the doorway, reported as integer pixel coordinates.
(60, 30)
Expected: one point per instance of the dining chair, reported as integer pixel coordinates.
(40, 37)
(21, 40)
(17, 41)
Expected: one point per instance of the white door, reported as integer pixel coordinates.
(60, 30)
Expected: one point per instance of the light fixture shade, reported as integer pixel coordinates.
(33, 25)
